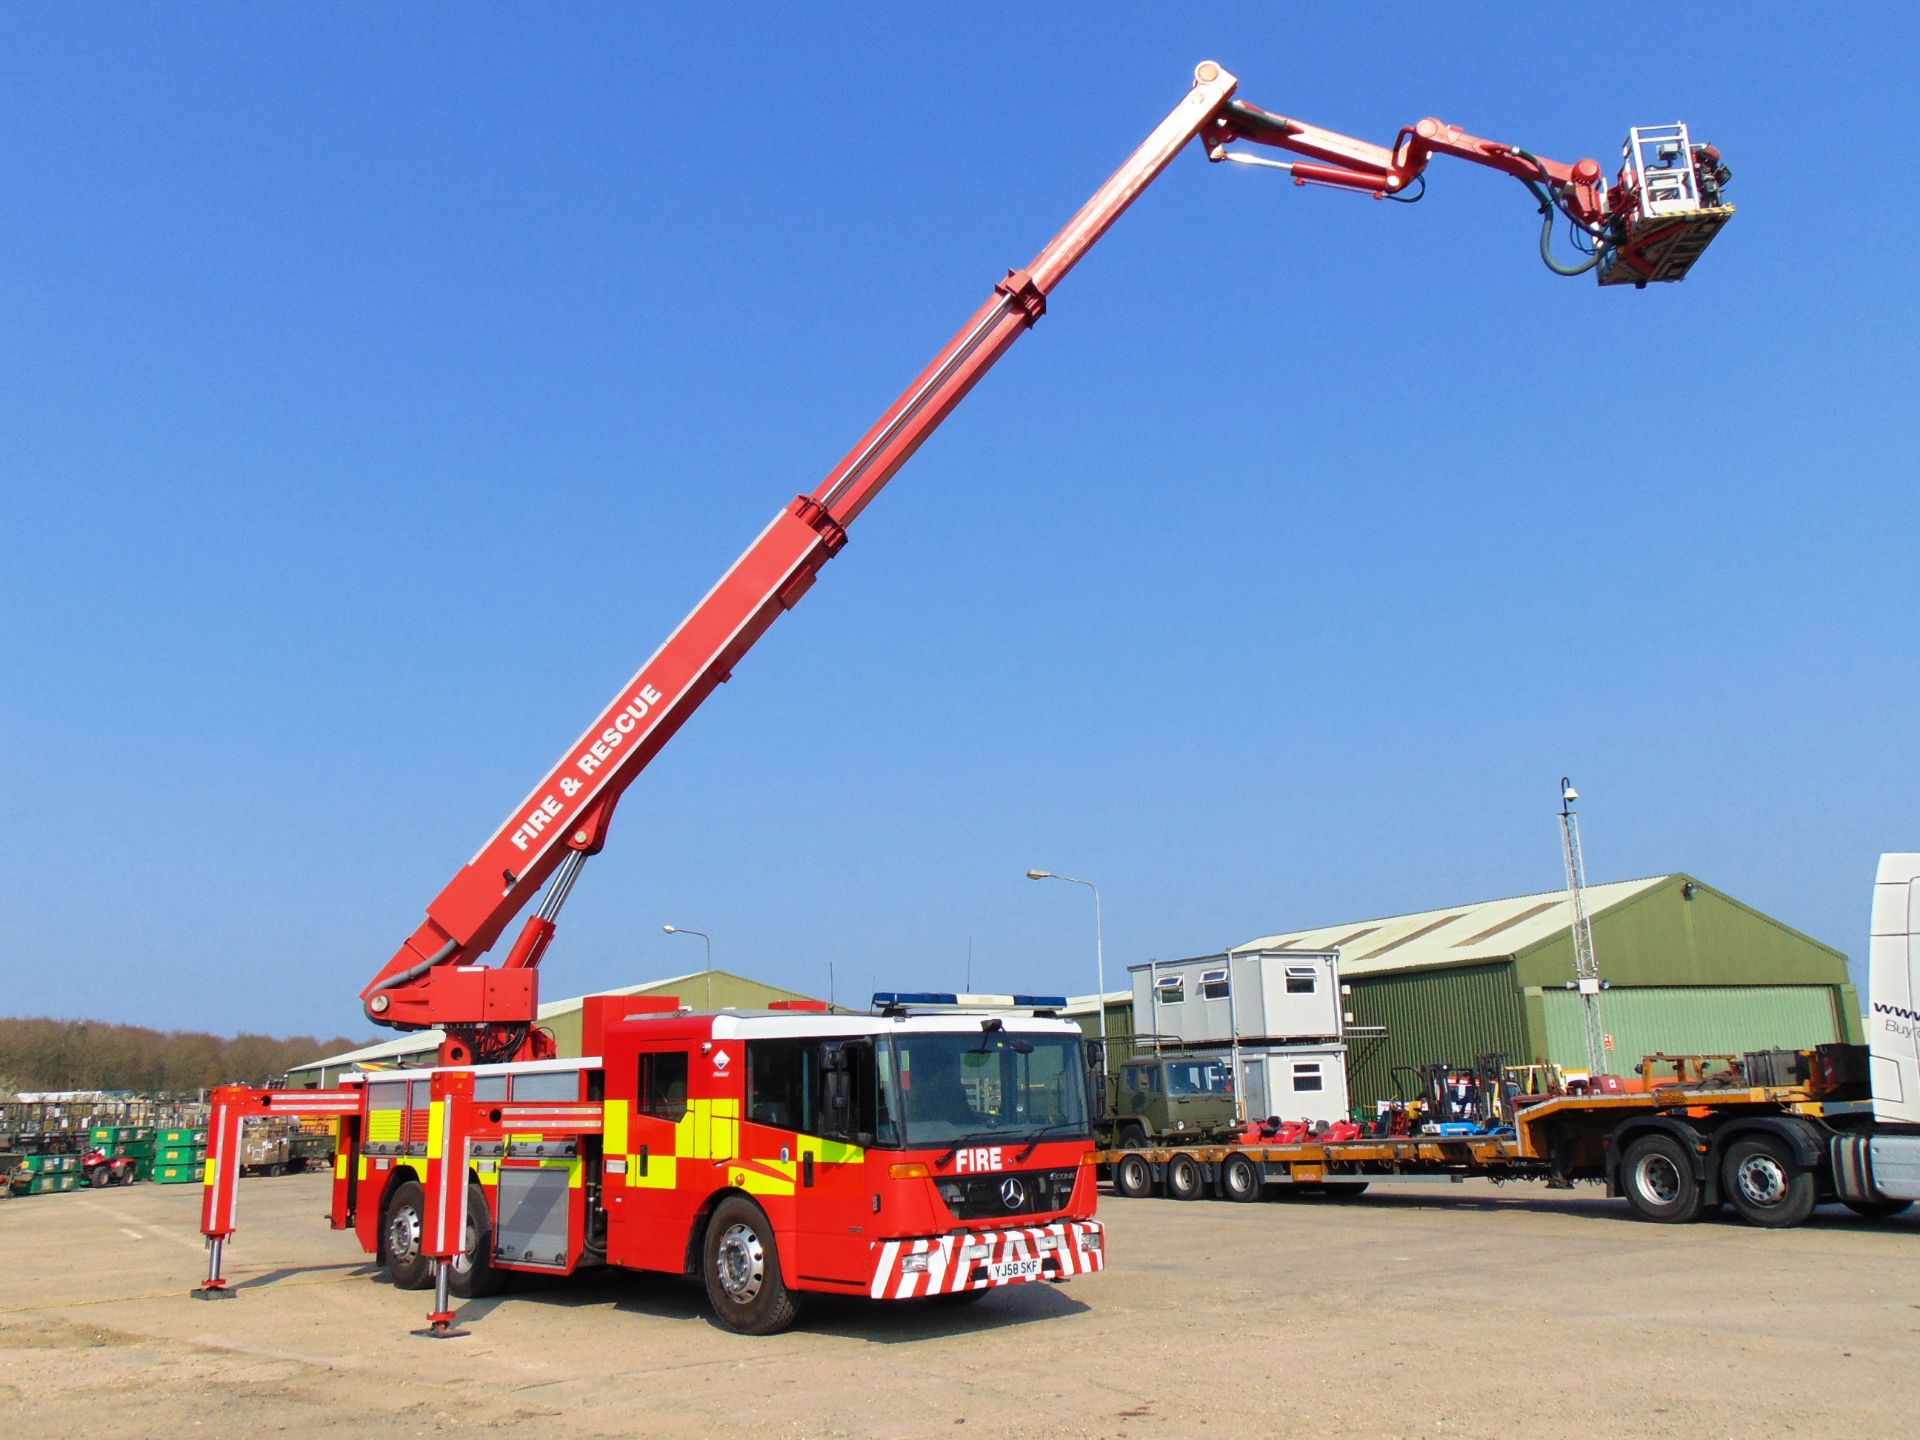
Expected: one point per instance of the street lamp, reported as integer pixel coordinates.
(1099, 953)
(682, 930)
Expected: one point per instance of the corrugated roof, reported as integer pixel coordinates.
(1454, 934)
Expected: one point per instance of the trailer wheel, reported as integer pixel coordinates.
(474, 1274)
(1184, 1181)
(401, 1225)
(1132, 1177)
(1240, 1179)
(276, 1170)
(1878, 1209)
(742, 1268)
(1657, 1175)
(1766, 1185)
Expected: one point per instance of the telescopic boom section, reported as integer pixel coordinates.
(433, 979)
(1651, 225)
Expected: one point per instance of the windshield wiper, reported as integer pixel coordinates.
(1056, 1125)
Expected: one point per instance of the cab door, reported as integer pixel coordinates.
(647, 1197)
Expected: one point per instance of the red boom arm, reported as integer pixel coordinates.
(434, 978)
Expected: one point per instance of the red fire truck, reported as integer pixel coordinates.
(785, 1152)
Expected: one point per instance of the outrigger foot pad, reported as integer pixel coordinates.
(214, 1292)
(441, 1330)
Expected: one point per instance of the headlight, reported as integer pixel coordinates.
(913, 1264)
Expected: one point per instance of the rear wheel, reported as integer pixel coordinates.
(1184, 1181)
(742, 1269)
(1240, 1179)
(1765, 1184)
(130, 1174)
(1878, 1209)
(1657, 1176)
(474, 1274)
(400, 1230)
(1132, 1177)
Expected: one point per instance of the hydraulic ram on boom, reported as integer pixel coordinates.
(1649, 225)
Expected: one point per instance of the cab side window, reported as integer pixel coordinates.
(780, 1084)
(663, 1085)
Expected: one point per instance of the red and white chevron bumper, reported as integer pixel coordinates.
(982, 1259)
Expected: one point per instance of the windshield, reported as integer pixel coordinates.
(945, 1088)
(1198, 1077)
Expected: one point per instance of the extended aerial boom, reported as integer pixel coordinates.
(488, 1013)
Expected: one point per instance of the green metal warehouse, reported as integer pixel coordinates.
(1690, 970)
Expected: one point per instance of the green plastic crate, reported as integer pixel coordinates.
(180, 1154)
(178, 1174)
(45, 1184)
(51, 1164)
(182, 1137)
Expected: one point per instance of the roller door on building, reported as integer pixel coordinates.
(1693, 1020)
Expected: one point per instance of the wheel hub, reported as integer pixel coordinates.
(741, 1264)
(1660, 1178)
(1761, 1180)
(403, 1234)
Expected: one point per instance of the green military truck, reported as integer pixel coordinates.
(1167, 1099)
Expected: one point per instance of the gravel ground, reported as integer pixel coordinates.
(1428, 1311)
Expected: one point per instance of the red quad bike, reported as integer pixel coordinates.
(102, 1170)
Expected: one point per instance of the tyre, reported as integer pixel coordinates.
(1656, 1175)
(1765, 1184)
(1132, 1137)
(474, 1273)
(401, 1226)
(1878, 1209)
(1240, 1179)
(100, 1177)
(130, 1174)
(741, 1264)
(1132, 1177)
(1183, 1178)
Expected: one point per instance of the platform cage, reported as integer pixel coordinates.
(1671, 217)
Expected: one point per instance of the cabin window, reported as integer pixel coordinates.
(1306, 1076)
(1172, 989)
(782, 1083)
(1302, 979)
(663, 1085)
(1213, 985)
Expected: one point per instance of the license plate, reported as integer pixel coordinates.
(999, 1270)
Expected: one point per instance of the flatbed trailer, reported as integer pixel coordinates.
(1674, 1153)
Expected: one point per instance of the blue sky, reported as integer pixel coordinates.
(380, 386)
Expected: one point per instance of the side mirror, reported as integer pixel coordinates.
(1096, 1081)
(836, 1089)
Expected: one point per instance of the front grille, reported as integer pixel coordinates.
(986, 1197)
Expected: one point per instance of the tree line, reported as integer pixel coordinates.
(41, 1054)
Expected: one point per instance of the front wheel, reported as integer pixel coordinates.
(1657, 1175)
(1878, 1209)
(1766, 1185)
(741, 1264)
(1132, 1177)
(100, 1177)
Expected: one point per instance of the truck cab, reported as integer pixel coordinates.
(1155, 1098)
